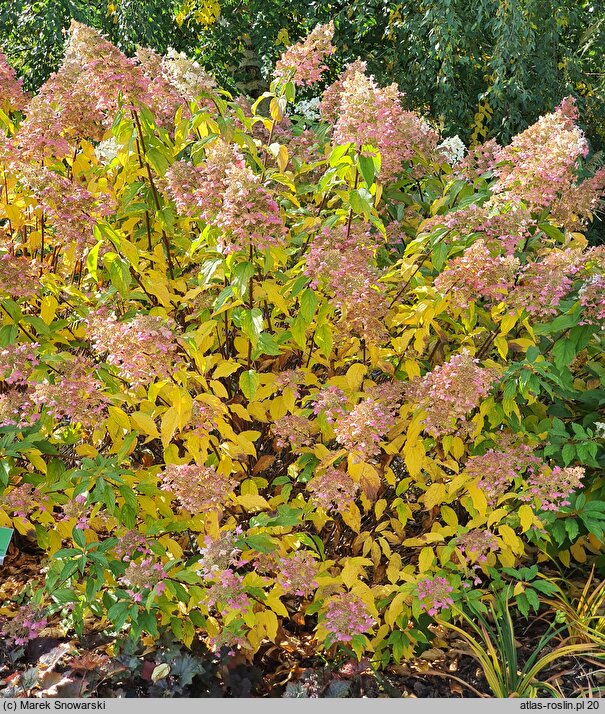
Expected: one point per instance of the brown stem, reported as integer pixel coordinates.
(487, 344)
(154, 193)
(250, 303)
(42, 244)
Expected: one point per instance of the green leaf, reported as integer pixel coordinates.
(308, 304)
(361, 201)
(241, 278)
(248, 382)
(79, 537)
(568, 452)
(267, 345)
(252, 324)
(92, 260)
(324, 339)
(366, 166)
(262, 542)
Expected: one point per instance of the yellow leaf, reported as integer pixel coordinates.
(170, 422)
(86, 450)
(252, 502)
(271, 623)
(352, 517)
(414, 458)
(449, 516)
(478, 498)
(119, 417)
(434, 495)
(276, 605)
(496, 516)
(578, 552)
(144, 423)
(354, 376)
(394, 568)
(225, 369)
(502, 346)
(379, 508)
(425, 559)
(509, 536)
(508, 322)
(396, 608)
(350, 573)
(412, 368)
(48, 308)
(526, 517)
(282, 158)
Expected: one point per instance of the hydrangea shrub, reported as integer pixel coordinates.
(264, 376)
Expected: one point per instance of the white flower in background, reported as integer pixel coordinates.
(453, 149)
(186, 75)
(600, 426)
(107, 150)
(308, 109)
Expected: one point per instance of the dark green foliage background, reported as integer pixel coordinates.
(522, 56)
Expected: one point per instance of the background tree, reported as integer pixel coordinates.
(483, 69)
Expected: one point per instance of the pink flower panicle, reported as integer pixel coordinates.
(296, 573)
(81, 99)
(303, 62)
(592, 300)
(186, 75)
(26, 625)
(197, 488)
(17, 408)
(502, 225)
(543, 284)
(477, 273)
(345, 616)
(340, 260)
(227, 592)
(292, 432)
(76, 394)
(162, 97)
(434, 594)
(12, 96)
(142, 349)
(77, 509)
(539, 164)
(131, 545)
(23, 499)
(363, 428)
(144, 575)
(290, 379)
(17, 362)
(329, 107)
(497, 469)
(331, 402)
(333, 490)
(551, 488)
(249, 214)
(577, 205)
(71, 210)
(198, 190)
(204, 418)
(372, 116)
(477, 544)
(219, 554)
(479, 160)
(450, 392)
(18, 277)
